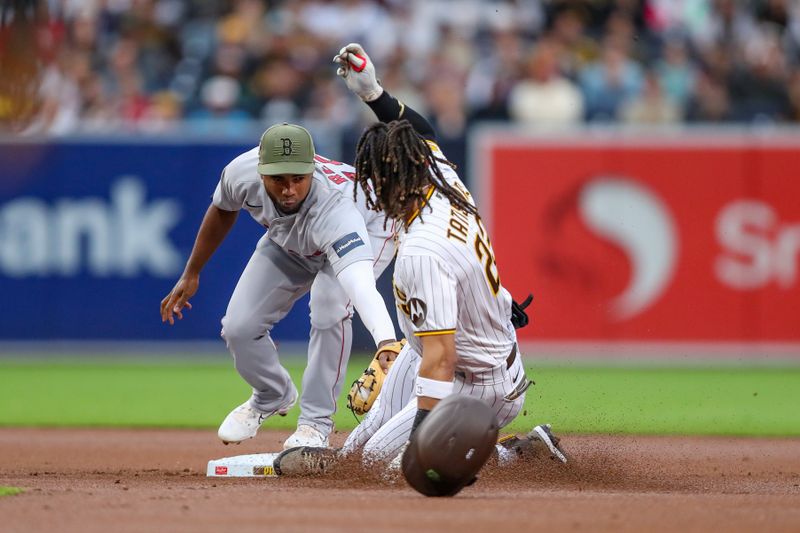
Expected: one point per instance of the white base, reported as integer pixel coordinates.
(253, 465)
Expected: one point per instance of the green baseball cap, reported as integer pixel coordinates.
(285, 149)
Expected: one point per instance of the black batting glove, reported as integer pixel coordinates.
(519, 318)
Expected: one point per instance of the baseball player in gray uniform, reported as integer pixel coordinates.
(316, 240)
(457, 317)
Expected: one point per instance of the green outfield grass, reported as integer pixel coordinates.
(575, 398)
(9, 491)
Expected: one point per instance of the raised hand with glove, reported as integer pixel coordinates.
(358, 72)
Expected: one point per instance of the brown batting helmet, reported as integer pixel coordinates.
(450, 446)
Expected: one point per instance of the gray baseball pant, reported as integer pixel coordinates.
(269, 286)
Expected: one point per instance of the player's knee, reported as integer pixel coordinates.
(505, 416)
(376, 450)
(241, 329)
(369, 454)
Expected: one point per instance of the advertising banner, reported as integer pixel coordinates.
(94, 234)
(692, 238)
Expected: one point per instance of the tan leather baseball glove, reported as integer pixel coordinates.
(365, 389)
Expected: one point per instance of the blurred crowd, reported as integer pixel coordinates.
(143, 65)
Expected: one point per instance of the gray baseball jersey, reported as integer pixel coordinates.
(325, 227)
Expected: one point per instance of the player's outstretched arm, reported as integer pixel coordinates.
(358, 283)
(358, 72)
(215, 226)
(388, 108)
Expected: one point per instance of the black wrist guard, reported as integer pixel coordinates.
(421, 414)
(387, 108)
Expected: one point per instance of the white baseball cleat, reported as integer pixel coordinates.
(243, 422)
(539, 442)
(306, 436)
(545, 436)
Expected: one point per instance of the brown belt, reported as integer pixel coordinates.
(512, 357)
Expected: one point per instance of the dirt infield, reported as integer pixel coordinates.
(154, 480)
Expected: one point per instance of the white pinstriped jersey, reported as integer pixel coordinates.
(446, 281)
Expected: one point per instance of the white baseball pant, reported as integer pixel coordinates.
(386, 428)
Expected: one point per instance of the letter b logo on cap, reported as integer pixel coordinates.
(287, 146)
(286, 149)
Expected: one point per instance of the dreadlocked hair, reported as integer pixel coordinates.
(400, 165)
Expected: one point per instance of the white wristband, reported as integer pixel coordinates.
(433, 388)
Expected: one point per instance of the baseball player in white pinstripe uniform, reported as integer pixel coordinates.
(316, 239)
(452, 307)
(456, 316)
